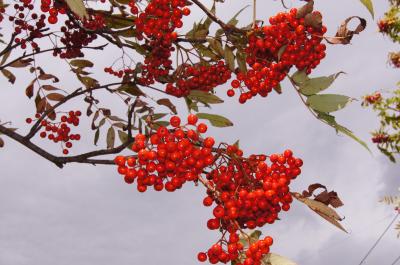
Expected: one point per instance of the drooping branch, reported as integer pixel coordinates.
(36, 127)
(61, 161)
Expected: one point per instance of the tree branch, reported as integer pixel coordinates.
(61, 161)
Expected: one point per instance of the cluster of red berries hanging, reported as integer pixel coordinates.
(272, 51)
(157, 26)
(60, 131)
(247, 192)
(198, 77)
(169, 157)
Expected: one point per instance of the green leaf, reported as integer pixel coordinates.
(204, 97)
(78, 8)
(368, 4)
(215, 120)
(110, 138)
(275, 259)
(339, 128)
(315, 85)
(139, 48)
(123, 136)
(132, 89)
(299, 77)
(241, 61)
(87, 81)
(229, 58)
(328, 102)
(155, 116)
(281, 51)
(216, 46)
(233, 21)
(208, 21)
(96, 136)
(387, 153)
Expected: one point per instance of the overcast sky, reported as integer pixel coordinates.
(86, 214)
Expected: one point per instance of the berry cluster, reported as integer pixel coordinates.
(119, 73)
(74, 39)
(27, 24)
(272, 51)
(58, 7)
(371, 99)
(199, 77)
(168, 158)
(380, 138)
(60, 131)
(247, 192)
(157, 26)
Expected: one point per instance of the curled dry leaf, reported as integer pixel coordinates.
(1, 143)
(321, 209)
(166, 102)
(328, 198)
(344, 35)
(306, 9)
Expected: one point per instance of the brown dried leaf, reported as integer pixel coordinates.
(344, 35)
(44, 76)
(166, 102)
(40, 104)
(10, 76)
(306, 9)
(55, 96)
(1, 143)
(52, 115)
(312, 188)
(29, 89)
(21, 63)
(323, 210)
(314, 20)
(49, 87)
(329, 198)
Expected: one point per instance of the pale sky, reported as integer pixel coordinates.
(86, 214)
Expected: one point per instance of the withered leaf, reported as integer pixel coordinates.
(44, 76)
(166, 102)
(313, 19)
(321, 209)
(344, 35)
(1, 143)
(49, 87)
(10, 76)
(329, 198)
(312, 188)
(55, 96)
(21, 63)
(52, 115)
(40, 104)
(29, 90)
(306, 9)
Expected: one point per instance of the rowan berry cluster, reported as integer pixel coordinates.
(157, 26)
(371, 99)
(247, 192)
(168, 158)
(119, 73)
(74, 38)
(380, 138)
(27, 24)
(58, 7)
(272, 51)
(199, 77)
(60, 131)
